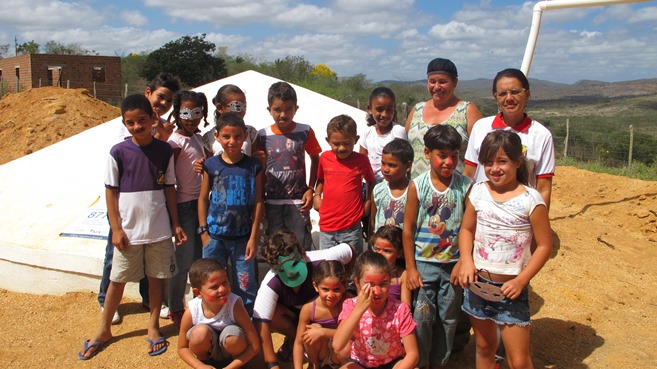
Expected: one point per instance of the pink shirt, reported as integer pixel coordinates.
(188, 182)
(377, 339)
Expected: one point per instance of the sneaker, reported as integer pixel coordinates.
(164, 312)
(116, 319)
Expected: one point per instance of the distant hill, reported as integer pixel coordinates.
(546, 90)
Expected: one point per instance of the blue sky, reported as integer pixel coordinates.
(384, 39)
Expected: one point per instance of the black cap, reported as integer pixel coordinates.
(442, 66)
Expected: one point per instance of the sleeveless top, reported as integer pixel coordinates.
(418, 128)
(394, 291)
(218, 322)
(330, 323)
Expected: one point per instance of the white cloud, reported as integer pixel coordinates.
(134, 18)
(40, 14)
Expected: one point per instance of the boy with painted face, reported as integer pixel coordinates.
(286, 288)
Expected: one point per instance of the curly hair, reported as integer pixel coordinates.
(281, 243)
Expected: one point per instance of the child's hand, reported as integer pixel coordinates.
(261, 157)
(317, 202)
(120, 240)
(454, 276)
(312, 334)
(198, 165)
(251, 250)
(307, 200)
(467, 274)
(205, 239)
(364, 299)
(513, 288)
(413, 279)
(181, 237)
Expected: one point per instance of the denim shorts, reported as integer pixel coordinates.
(506, 311)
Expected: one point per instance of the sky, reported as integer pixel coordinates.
(383, 39)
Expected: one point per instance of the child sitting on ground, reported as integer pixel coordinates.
(216, 327)
(319, 319)
(382, 328)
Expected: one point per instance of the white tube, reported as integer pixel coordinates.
(552, 5)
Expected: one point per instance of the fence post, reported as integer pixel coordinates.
(94, 89)
(404, 107)
(565, 140)
(39, 82)
(125, 93)
(629, 159)
(68, 83)
(18, 80)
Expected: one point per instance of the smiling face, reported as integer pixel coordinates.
(501, 171)
(216, 288)
(330, 291)
(382, 109)
(441, 87)
(231, 139)
(161, 99)
(283, 112)
(511, 96)
(189, 117)
(342, 143)
(139, 124)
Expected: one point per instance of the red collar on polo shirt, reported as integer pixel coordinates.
(523, 126)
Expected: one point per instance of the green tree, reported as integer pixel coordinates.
(189, 57)
(54, 47)
(132, 66)
(4, 50)
(30, 47)
(294, 69)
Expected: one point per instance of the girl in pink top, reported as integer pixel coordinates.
(382, 329)
(318, 319)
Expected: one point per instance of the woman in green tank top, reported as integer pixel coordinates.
(442, 108)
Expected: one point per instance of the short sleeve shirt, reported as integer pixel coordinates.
(378, 339)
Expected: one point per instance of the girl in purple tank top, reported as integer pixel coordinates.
(318, 319)
(387, 241)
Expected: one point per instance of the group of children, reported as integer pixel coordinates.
(394, 305)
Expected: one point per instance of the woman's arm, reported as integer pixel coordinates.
(472, 114)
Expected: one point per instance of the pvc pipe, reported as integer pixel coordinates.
(552, 5)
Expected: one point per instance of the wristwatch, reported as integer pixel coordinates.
(202, 229)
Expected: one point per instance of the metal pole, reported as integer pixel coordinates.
(565, 143)
(629, 158)
(551, 5)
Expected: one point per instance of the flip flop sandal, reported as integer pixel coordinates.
(158, 341)
(99, 345)
(487, 291)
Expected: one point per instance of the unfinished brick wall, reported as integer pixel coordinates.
(73, 71)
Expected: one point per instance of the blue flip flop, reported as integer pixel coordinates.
(99, 346)
(158, 341)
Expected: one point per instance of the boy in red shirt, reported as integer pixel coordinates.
(338, 195)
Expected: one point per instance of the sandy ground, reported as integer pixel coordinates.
(593, 305)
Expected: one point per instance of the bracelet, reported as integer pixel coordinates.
(317, 194)
(272, 364)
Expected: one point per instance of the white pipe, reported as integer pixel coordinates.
(552, 5)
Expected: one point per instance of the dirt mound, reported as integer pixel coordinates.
(33, 119)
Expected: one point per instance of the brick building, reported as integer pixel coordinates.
(27, 71)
